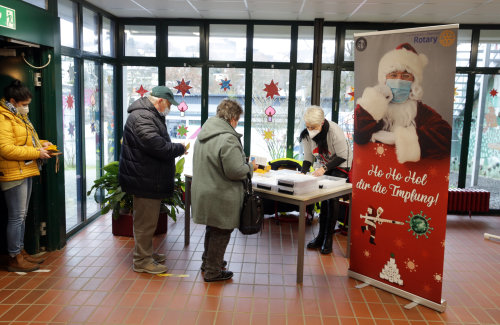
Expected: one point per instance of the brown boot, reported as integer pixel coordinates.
(31, 258)
(19, 264)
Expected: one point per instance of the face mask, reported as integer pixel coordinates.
(400, 89)
(23, 110)
(312, 133)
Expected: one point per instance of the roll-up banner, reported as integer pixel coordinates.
(404, 89)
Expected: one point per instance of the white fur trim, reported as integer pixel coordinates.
(374, 102)
(417, 92)
(407, 146)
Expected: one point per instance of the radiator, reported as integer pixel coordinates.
(468, 200)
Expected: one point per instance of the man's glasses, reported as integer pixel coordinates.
(400, 75)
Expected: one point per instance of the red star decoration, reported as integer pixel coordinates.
(351, 94)
(493, 92)
(69, 101)
(142, 91)
(183, 87)
(272, 89)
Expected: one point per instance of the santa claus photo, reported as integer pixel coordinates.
(393, 111)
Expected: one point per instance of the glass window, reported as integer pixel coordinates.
(483, 161)
(184, 41)
(463, 47)
(137, 82)
(90, 30)
(67, 13)
(38, 3)
(91, 130)
(326, 93)
(302, 101)
(226, 83)
(346, 103)
(271, 43)
(349, 43)
(108, 37)
(488, 54)
(108, 108)
(328, 52)
(70, 108)
(140, 40)
(305, 44)
(185, 119)
(227, 42)
(269, 113)
(458, 125)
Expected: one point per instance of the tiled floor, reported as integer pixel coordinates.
(91, 281)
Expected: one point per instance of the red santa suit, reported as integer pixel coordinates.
(416, 129)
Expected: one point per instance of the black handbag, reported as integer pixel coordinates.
(252, 212)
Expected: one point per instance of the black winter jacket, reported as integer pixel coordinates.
(147, 159)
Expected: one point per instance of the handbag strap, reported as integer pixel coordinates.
(248, 185)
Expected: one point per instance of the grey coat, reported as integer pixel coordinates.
(219, 167)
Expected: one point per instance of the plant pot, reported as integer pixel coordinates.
(124, 225)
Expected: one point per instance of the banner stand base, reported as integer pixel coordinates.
(407, 295)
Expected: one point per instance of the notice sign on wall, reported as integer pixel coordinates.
(404, 88)
(7, 17)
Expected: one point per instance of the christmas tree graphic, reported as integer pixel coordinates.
(390, 272)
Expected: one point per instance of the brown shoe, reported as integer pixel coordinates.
(31, 258)
(19, 264)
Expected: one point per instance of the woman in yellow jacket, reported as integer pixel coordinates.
(20, 151)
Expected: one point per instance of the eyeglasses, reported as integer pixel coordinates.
(400, 75)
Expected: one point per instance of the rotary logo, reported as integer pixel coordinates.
(447, 38)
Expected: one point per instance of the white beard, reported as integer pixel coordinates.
(400, 115)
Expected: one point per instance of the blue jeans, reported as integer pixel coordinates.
(17, 199)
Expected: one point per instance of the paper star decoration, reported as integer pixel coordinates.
(351, 94)
(183, 87)
(272, 89)
(142, 91)
(493, 92)
(268, 135)
(69, 101)
(225, 84)
(92, 127)
(110, 80)
(455, 94)
(182, 130)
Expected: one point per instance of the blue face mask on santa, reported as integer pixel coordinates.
(400, 89)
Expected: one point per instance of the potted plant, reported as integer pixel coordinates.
(109, 194)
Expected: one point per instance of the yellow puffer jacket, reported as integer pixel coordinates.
(18, 153)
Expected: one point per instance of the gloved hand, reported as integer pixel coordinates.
(375, 100)
(384, 137)
(385, 91)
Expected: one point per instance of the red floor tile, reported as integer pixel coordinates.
(82, 288)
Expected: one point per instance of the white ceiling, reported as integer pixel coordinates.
(394, 11)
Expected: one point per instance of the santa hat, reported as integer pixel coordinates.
(404, 58)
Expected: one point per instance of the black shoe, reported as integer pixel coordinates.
(327, 245)
(363, 229)
(316, 242)
(224, 275)
(224, 264)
